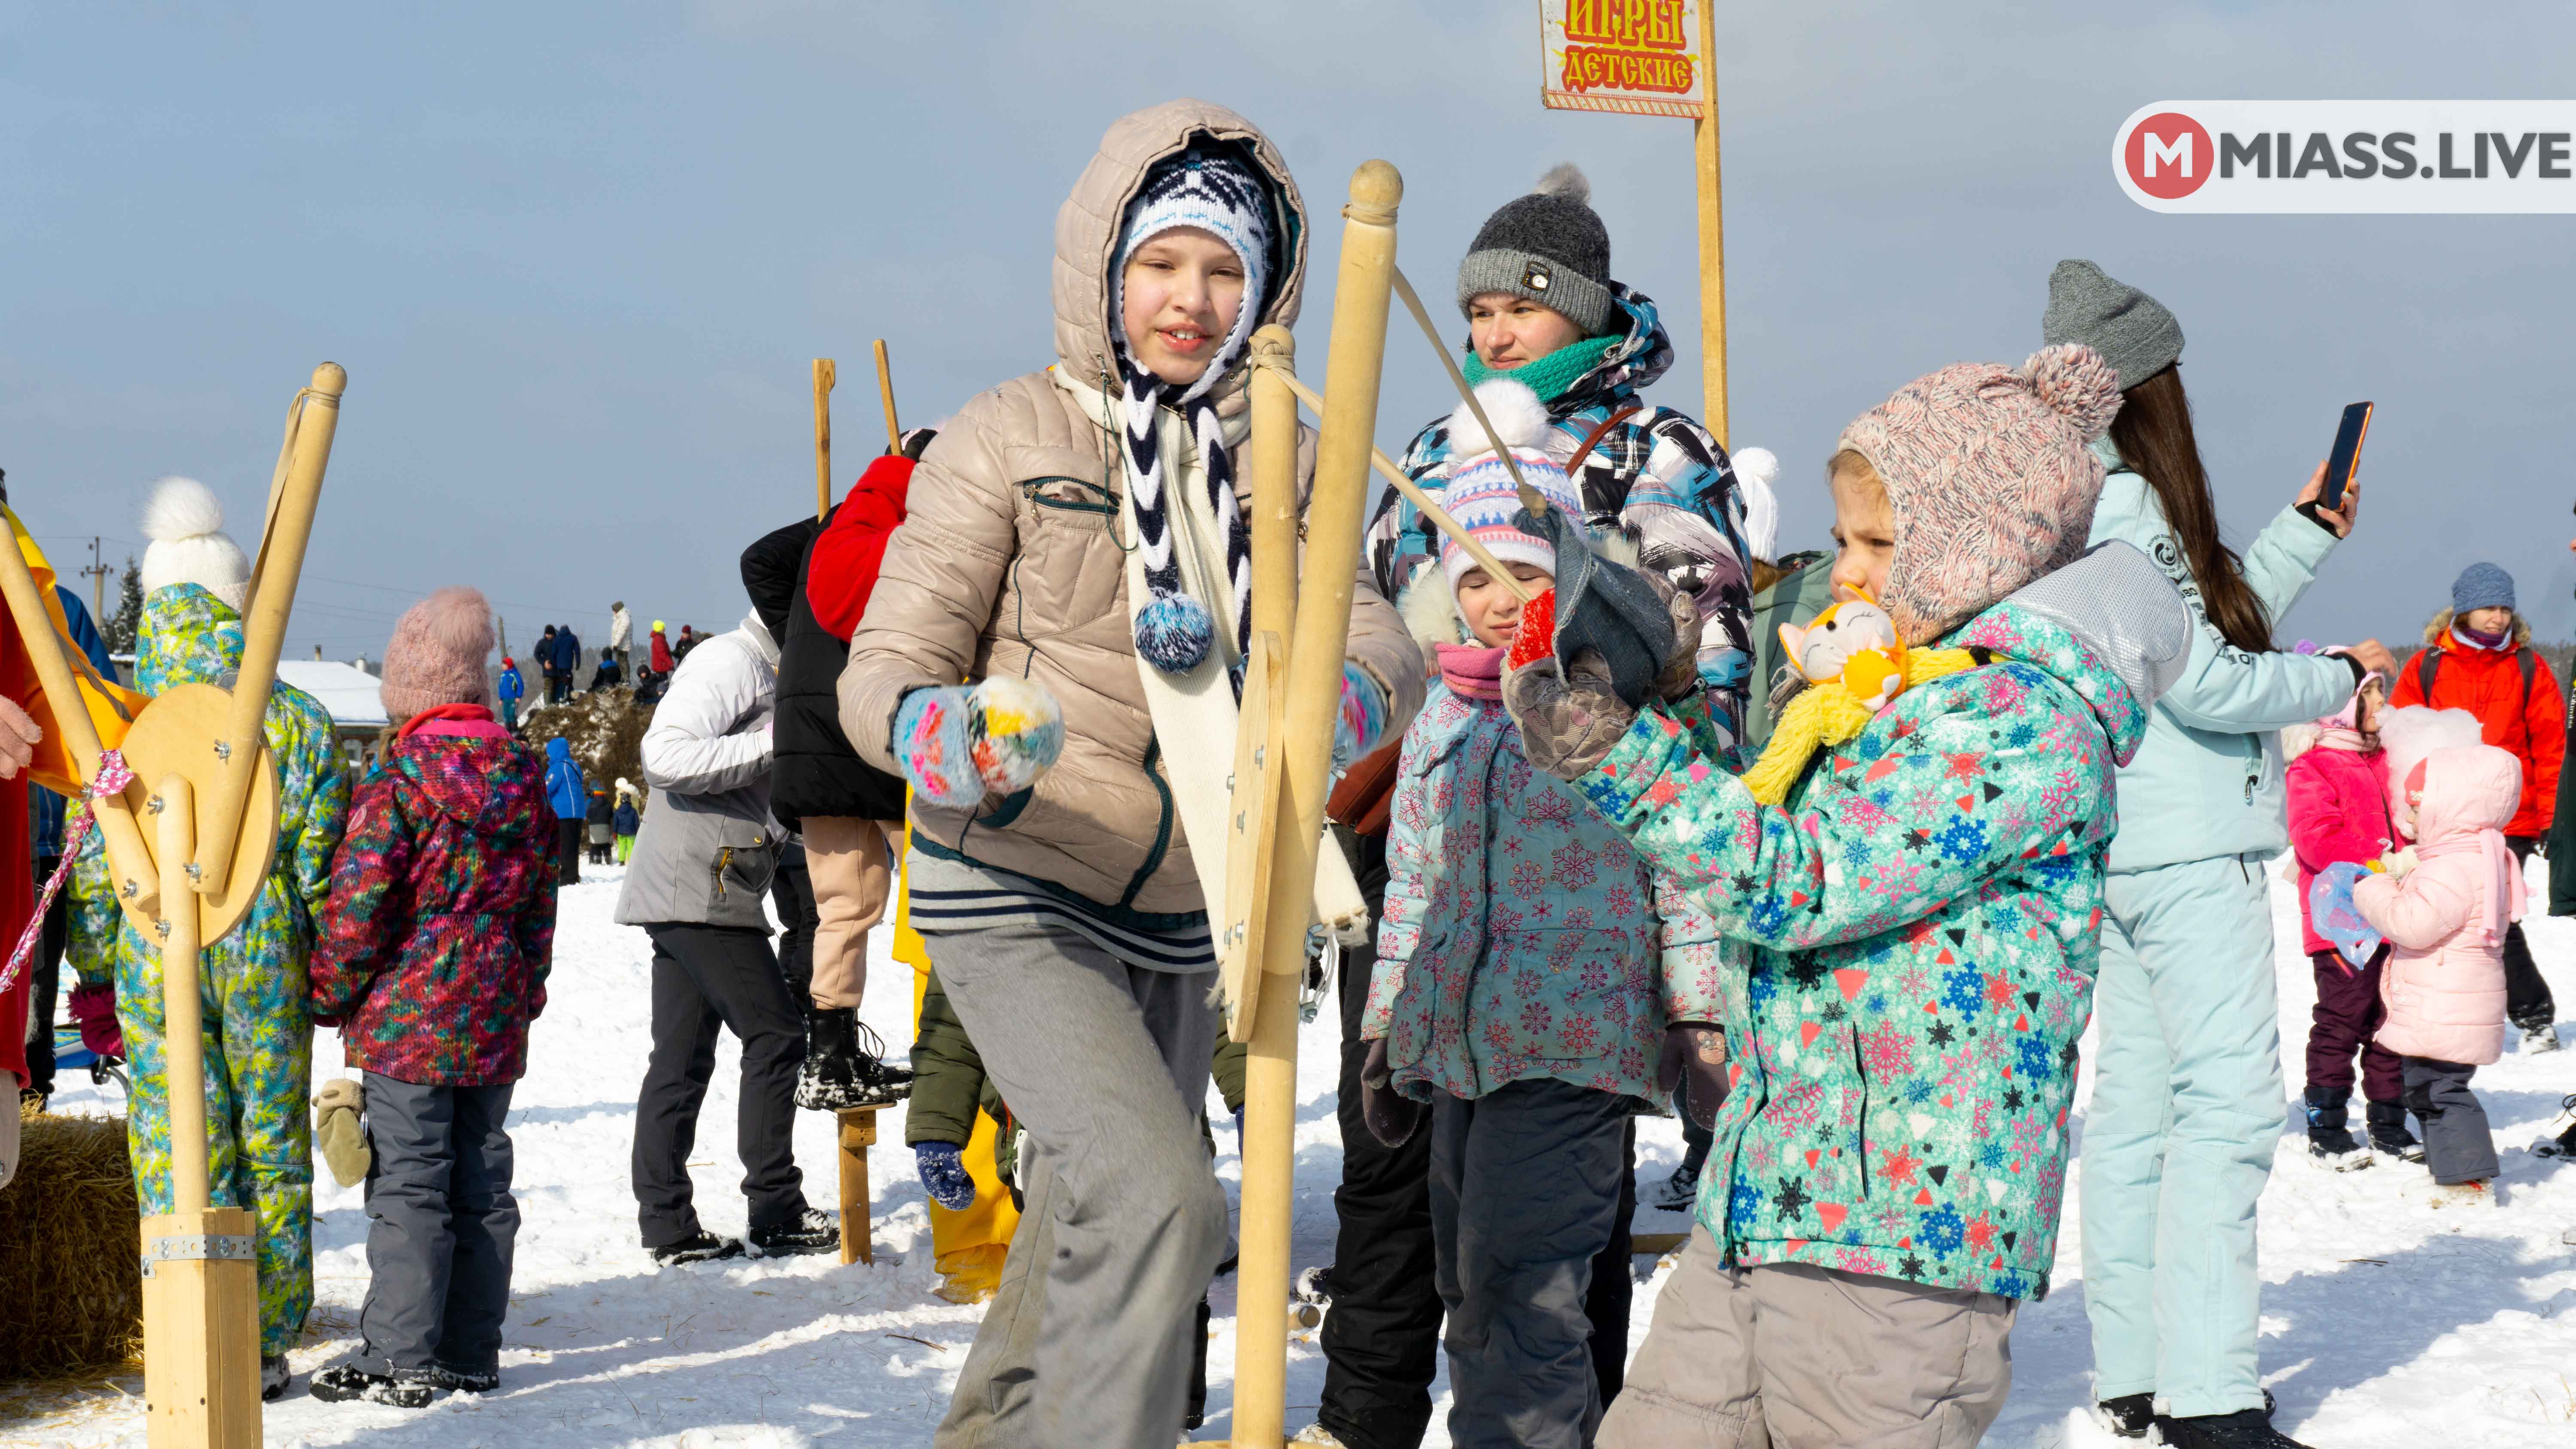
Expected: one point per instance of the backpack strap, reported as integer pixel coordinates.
(2428, 664)
(2530, 665)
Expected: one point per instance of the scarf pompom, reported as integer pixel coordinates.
(1174, 632)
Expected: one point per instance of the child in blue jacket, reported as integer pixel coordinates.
(1523, 987)
(510, 691)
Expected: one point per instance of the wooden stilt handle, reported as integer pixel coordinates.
(129, 859)
(183, 1044)
(272, 600)
(1335, 517)
(826, 375)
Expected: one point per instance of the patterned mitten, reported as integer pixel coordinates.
(2332, 912)
(944, 1175)
(94, 1008)
(1568, 724)
(1362, 718)
(337, 1133)
(1692, 1067)
(959, 745)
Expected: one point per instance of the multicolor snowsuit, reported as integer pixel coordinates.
(1925, 920)
(258, 1039)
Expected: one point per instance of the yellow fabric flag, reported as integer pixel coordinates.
(111, 706)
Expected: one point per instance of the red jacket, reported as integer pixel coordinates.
(2532, 725)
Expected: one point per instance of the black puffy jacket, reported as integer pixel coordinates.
(813, 770)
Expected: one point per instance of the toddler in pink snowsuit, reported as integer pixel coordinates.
(2445, 920)
(2338, 794)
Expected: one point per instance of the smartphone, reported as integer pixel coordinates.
(2346, 458)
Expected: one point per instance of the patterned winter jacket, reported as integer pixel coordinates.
(188, 636)
(1925, 922)
(1521, 935)
(1655, 476)
(441, 926)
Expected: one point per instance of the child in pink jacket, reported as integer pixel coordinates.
(2338, 792)
(2446, 919)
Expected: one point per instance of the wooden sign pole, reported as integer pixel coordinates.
(825, 375)
(264, 632)
(1712, 235)
(1336, 513)
(200, 1269)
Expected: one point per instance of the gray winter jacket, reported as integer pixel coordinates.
(708, 846)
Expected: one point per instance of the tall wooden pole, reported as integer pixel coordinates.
(183, 1044)
(825, 374)
(885, 392)
(272, 600)
(1335, 515)
(1712, 237)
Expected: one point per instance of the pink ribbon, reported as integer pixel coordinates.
(113, 777)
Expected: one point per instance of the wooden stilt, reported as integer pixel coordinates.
(272, 600)
(200, 1275)
(1318, 633)
(858, 1134)
(826, 374)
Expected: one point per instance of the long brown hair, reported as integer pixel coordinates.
(2153, 434)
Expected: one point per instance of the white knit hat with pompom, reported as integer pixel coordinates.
(1479, 492)
(185, 523)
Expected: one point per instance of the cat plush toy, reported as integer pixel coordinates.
(1855, 664)
(1853, 641)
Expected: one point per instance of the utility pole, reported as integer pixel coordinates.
(97, 572)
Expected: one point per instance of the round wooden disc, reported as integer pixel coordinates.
(176, 734)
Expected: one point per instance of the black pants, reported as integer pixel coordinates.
(791, 890)
(705, 977)
(442, 1227)
(2527, 1002)
(1382, 1338)
(45, 991)
(568, 851)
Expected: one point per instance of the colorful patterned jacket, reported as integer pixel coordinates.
(441, 927)
(1925, 922)
(188, 636)
(1655, 476)
(1521, 935)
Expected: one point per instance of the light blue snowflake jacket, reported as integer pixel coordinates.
(1924, 916)
(2208, 782)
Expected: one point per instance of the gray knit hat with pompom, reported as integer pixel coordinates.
(1548, 246)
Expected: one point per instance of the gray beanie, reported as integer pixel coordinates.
(2481, 586)
(2133, 331)
(1548, 246)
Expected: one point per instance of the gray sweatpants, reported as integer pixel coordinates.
(1524, 1195)
(1087, 1340)
(2458, 1145)
(1803, 1357)
(441, 1226)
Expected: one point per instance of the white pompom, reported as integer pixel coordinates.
(1564, 179)
(1517, 413)
(181, 508)
(1754, 470)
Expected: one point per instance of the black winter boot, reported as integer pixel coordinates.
(2127, 1416)
(839, 1072)
(2329, 1133)
(2244, 1429)
(2563, 1142)
(2388, 1134)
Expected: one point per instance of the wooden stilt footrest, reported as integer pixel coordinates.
(858, 1134)
(201, 1328)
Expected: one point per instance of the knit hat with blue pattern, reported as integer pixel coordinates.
(1479, 492)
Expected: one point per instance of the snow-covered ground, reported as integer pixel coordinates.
(2385, 1322)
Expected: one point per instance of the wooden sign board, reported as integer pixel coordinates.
(1635, 57)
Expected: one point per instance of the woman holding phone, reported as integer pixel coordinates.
(2187, 1098)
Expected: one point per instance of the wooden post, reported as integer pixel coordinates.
(264, 632)
(136, 878)
(885, 393)
(1712, 237)
(201, 1278)
(1335, 515)
(825, 375)
(858, 1134)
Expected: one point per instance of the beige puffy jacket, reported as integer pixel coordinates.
(1009, 562)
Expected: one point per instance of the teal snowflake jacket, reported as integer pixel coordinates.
(1923, 921)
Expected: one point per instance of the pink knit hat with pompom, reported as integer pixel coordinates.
(1989, 479)
(436, 655)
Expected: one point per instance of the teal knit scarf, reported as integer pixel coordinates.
(1551, 375)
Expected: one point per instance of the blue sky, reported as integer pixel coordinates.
(576, 257)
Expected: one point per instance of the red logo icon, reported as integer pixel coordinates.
(2169, 155)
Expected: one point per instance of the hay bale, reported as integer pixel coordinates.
(71, 1244)
(604, 727)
